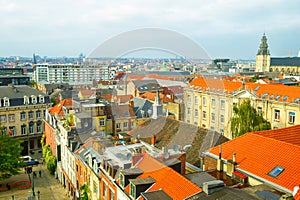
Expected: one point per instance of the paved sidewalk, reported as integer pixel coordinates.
(49, 187)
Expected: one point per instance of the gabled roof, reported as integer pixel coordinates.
(151, 96)
(289, 135)
(58, 108)
(273, 92)
(288, 61)
(176, 89)
(259, 155)
(167, 179)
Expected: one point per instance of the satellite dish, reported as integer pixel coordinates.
(176, 147)
(129, 156)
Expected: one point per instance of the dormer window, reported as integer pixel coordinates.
(5, 101)
(26, 100)
(132, 190)
(33, 99)
(41, 99)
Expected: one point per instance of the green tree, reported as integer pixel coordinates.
(247, 119)
(10, 153)
(84, 190)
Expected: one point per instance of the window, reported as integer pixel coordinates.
(111, 194)
(189, 111)
(222, 119)
(222, 131)
(41, 99)
(132, 190)
(118, 125)
(125, 124)
(31, 128)
(38, 114)
(11, 117)
(105, 190)
(291, 117)
(95, 187)
(189, 98)
(276, 171)
(122, 180)
(33, 99)
(23, 130)
(222, 104)
(213, 117)
(204, 101)
(132, 124)
(213, 103)
(196, 113)
(102, 132)
(11, 131)
(2, 118)
(204, 115)
(212, 128)
(30, 114)
(26, 100)
(276, 115)
(23, 116)
(5, 101)
(3, 131)
(102, 122)
(196, 100)
(259, 110)
(39, 127)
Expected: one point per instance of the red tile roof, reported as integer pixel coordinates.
(167, 179)
(274, 92)
(86, 93)
(258, 155)
(58, 108)
(123, 98)
(290, 134)
(297, 195)
(151, 96)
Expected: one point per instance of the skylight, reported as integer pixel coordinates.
(271, 97)
(278, 96)
(264, 95)
(256, 88)
(296, 100)
(285, 98)
(276, 171)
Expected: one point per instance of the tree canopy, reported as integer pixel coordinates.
(10, 153)
(247, 119)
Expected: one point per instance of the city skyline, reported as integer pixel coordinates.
(223, 28)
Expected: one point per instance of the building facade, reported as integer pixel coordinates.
(209, 103)
(22, 110)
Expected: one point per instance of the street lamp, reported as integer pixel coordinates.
(29, 171)
(38, 192)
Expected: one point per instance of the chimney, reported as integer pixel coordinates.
(153, 140)
(234, 157)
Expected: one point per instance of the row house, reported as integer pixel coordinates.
(209, 103)
(22, 110)
(251, 160)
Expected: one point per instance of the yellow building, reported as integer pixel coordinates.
(209, 103)
(22, 110)
(264, 62)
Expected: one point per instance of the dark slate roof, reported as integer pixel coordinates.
(18, 91)
(146, 85)
(154, 195)
(288, 61)
(141, 104)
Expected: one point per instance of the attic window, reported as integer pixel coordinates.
(33, 99)
(277, 97)
(271, 97)
(26, 100)
(41, 99)
(256, 88)
(5, 101)
(276, 171)
(264, 95)
(296, 100)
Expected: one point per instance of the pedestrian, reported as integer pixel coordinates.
(8, 186)
(34, 174)
(40, 173)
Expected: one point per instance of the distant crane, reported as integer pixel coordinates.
(290, 52)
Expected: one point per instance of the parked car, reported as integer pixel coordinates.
(29, 161)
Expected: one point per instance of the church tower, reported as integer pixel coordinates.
(263, 56)
(157, 107)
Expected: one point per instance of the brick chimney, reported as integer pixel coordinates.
(153, 140)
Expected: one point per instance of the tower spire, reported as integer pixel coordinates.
(263, 47)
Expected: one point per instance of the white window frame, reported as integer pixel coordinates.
(222, 104)
(33, 99)
(125, 123)
(2, 117)
(41, 99)
(276, 114)
(204, 115)
(213, 103)
(196, 112)
(222, 119)
(11, 117)
(204, 101)
(23, 116)
(26, 100)
(213, 117)
(102, 122)
(292, 117)
(6, 102)
(23, 130)
(196, 100)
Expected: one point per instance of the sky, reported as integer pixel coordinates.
(223, 28)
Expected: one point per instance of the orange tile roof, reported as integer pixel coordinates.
(167, 179)
(290, 134)
(151, 96)
(258, 155)
(274, 91)
(297, 195)
(58, 108)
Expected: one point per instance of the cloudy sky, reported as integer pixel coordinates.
(224, 28)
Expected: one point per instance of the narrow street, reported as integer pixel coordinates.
(47, 185)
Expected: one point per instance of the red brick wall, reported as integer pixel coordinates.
(210, 163)
(50, 137)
